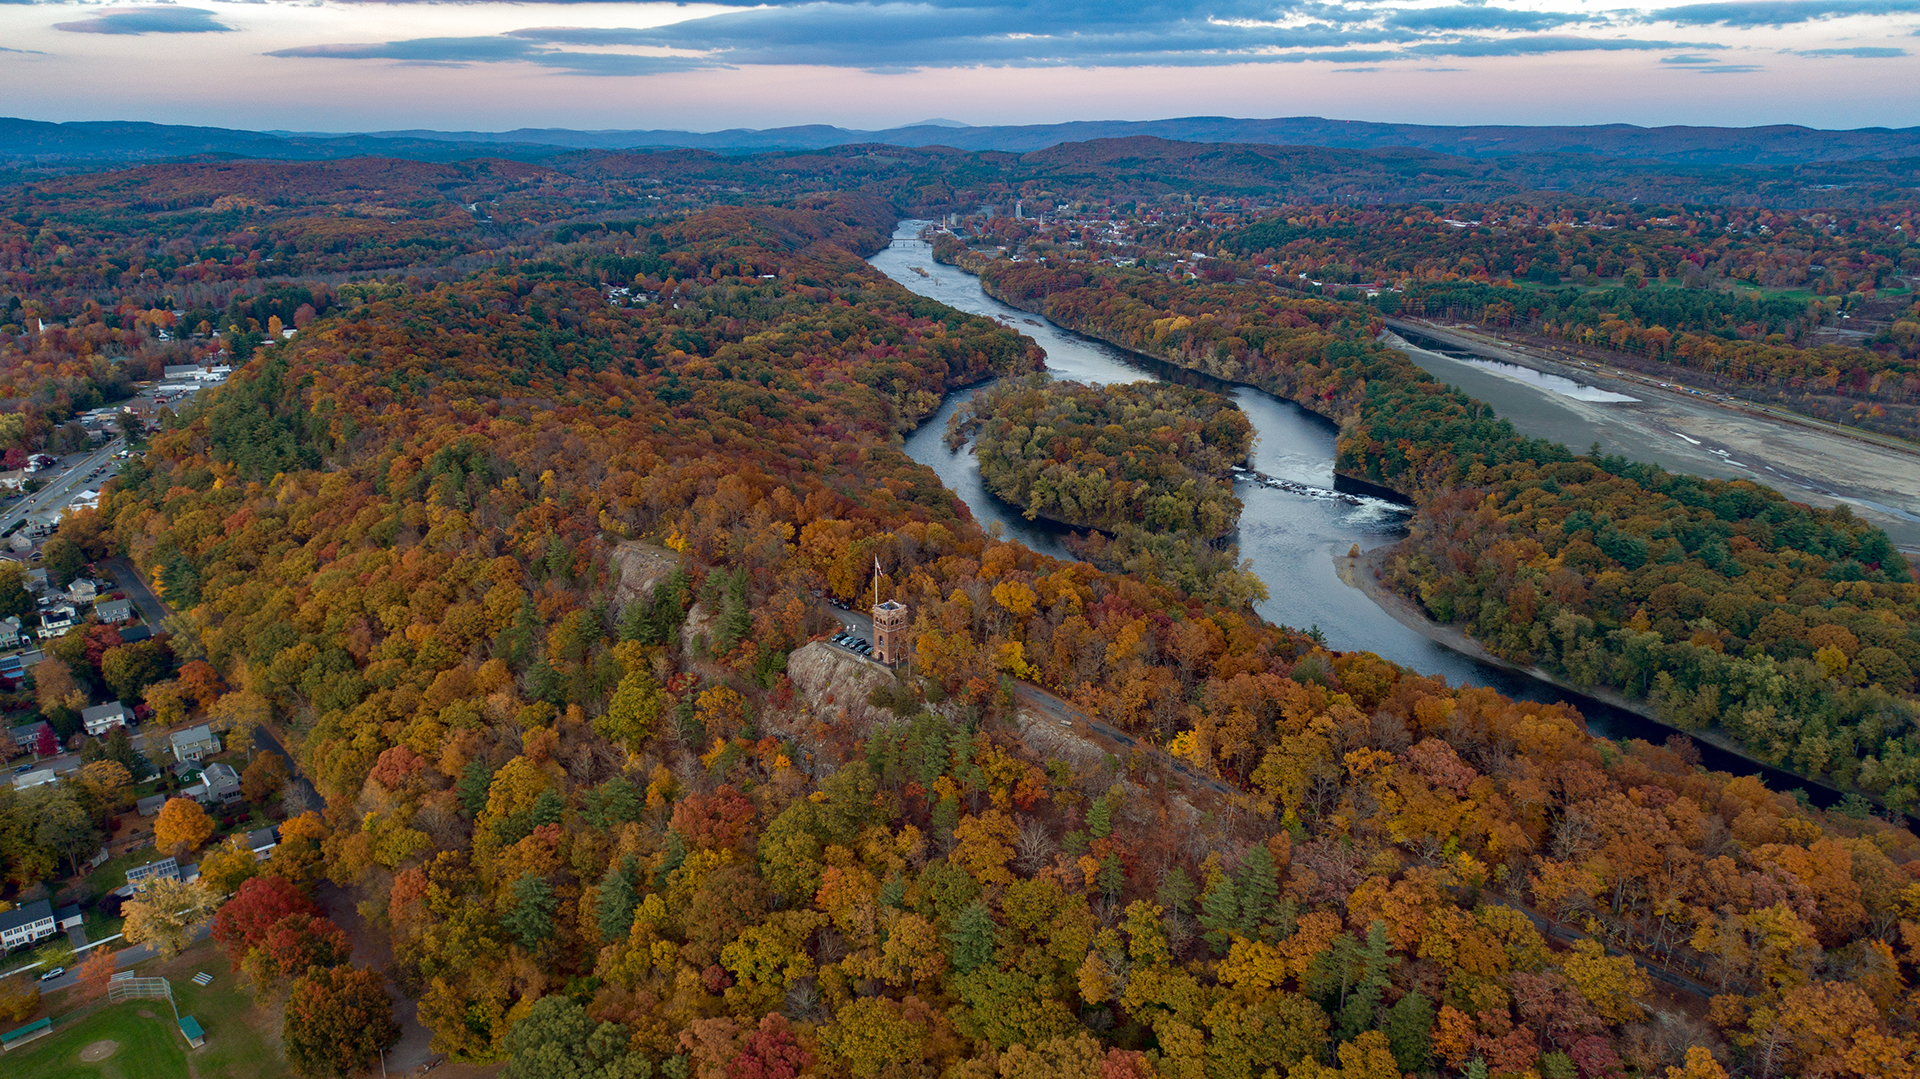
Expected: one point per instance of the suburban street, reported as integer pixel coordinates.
(64, 484)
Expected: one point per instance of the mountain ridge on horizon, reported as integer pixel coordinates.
(107, 141)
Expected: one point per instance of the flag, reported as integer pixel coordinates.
(876, 567)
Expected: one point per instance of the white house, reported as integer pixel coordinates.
(58, 618)
(102, 718)
(10, 631)
(13, 480)
(83, 590)
(27, 923)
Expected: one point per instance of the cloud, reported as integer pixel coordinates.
(1481, 18)
(146, 20)
(907, 35)
(1355, 70)
(1544, 44)
(1859, 52)
(1688, 61)
(461, 51)
(1747, 14)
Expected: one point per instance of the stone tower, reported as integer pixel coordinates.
(890, 632)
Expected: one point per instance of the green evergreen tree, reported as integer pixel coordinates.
(1409, 1031)
(970, 942)
(530, 919)
(472, 787)
(1100, 818)
(613, 906)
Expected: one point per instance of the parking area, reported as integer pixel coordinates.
(855, 634)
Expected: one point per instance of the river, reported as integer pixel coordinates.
(1291, 539)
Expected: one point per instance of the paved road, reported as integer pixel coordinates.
(55, 495)
(122, 959)
(135, 586)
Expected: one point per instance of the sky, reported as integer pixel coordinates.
(367, 65)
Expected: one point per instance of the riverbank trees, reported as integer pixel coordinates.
(1713, 600)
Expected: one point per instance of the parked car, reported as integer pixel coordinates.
(52, 974)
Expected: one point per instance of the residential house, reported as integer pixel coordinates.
(37, 581)
(13, 480)
(68, 916)
(83, 590)
(27, 734)
(140, 874)
(114, 611)
(102, 718)
(222, 783)
(263, 841)
(135, 634)
(27, 923)
(194, 743)
(10, 631)
(58, 618)
(151, 805)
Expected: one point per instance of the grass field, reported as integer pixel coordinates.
(236, 1047)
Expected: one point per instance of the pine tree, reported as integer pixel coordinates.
(1409, 1032)
(1220, 914)
(530, 919)
(970, 943)
(613, 908)
(472, 788)
(1100, 819)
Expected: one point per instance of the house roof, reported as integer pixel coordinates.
(191, 735)
(133, 634)
(264, 838)
(113, 606)
(219, 771)
(71, 910)
(152, 802)
(26, 914)
(104, 711)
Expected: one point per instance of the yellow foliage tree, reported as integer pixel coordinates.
(163, 913)
(181, 826)
(1609, 983)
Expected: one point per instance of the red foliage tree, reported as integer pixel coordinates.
(770, 1053)
(296, 944)
(713, 821)
(254, 910)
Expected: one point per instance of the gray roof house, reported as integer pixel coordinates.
(27, 923)
(102, 718)
(37, 581)
(151, 804)
(114, 610)
(222, 783)
(194, 743)
(10, 631)
(26, 734)
(263, 841)
(68, 916)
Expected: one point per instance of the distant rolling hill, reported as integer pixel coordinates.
(119, 141)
